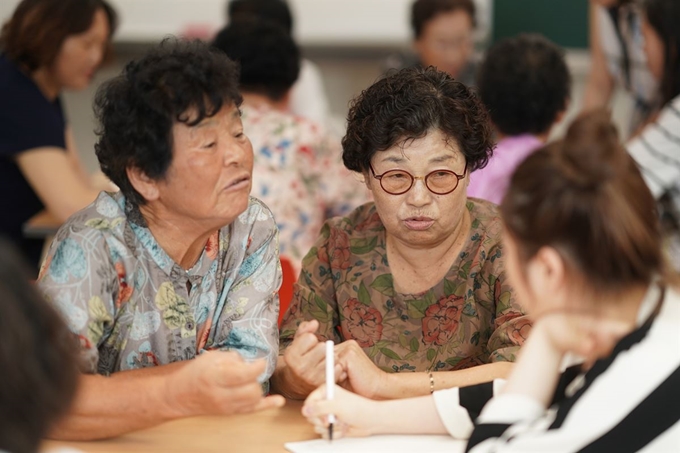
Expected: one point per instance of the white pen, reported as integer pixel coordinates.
(330, 382)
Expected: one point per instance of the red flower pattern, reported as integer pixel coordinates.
(362, 323)
(337, 252)
(441, 320)
(124, 290)
(520, 331)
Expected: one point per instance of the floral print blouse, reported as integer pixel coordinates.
(298, 173)
(128, 301)
(469, 318)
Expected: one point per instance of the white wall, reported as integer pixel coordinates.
(318, 22)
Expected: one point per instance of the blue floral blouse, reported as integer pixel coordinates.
(128, 301)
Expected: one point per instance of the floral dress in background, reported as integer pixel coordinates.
(469, 318)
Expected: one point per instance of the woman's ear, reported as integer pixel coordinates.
(145, 186)
(546, 273)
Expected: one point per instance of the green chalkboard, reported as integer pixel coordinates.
(563, 21)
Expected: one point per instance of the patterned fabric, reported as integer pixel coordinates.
(491, 182)
(127, 300)
(298, 173)
(469, 318)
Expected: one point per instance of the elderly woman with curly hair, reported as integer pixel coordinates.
(160, 280)
(412, 283)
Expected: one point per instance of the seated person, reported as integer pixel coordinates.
(413, 283)
(37, 359)
(443, 32)
(297, 172)
(585, 256)
(657, 148)
(180, 262)
(46, 46)
(308, 95)
(525, 84)
(618, 61)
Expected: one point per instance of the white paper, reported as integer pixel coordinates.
(379, 444)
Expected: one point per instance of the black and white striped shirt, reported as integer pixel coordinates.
(629, 401)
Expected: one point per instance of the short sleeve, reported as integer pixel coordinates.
(32, 121)
(79, 279)
(252, 307)
(511, 326)
(314, 296)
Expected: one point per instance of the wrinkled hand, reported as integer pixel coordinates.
(585, 335)
(305, 361)
(219, 383)
(362, 376)
(354, 414)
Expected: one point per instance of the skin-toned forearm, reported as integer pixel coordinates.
(407, 416)
(125, 401)
(537, 370)
(407, 385)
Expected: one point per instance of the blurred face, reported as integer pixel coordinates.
(80, 55)
(209, 178)
(654, 50)
(419, 217)
(605, 3)
(447, 42)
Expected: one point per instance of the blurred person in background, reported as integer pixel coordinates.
(308, 95)
(525, 84)
(657, 148)
(47, 46)
(298, 171)
(37, 358)
(443, 37)
(617, 59)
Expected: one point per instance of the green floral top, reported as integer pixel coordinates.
(469, 318)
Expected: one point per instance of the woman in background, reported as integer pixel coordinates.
(584, 256)
(657, 148)
(46, 46)
(618, 59)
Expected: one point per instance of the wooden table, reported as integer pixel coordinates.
(262, 432)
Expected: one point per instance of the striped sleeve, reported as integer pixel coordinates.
(657, 150)
(626, 402)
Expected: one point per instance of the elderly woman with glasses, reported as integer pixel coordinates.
(412, 283)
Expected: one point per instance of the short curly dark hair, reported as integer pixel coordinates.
(137, 110)
(405, 106)
(525, 83)
(267, 54)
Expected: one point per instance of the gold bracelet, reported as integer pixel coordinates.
(431, 383)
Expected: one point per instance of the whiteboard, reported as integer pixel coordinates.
(348, 23)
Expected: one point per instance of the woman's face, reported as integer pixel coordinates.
(209, 179)
(654, 50)
(80, 55)
(447, 42)
(420, 217)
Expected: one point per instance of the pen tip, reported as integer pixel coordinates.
(330, 432)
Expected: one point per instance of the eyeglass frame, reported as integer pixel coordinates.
(423, 178)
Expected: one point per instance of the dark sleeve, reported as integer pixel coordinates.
(28, 120)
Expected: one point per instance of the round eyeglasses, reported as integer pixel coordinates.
(439, 182)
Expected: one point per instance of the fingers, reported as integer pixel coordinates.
(270, 402)
(230, 372)
(306, 327)
(309, 366)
